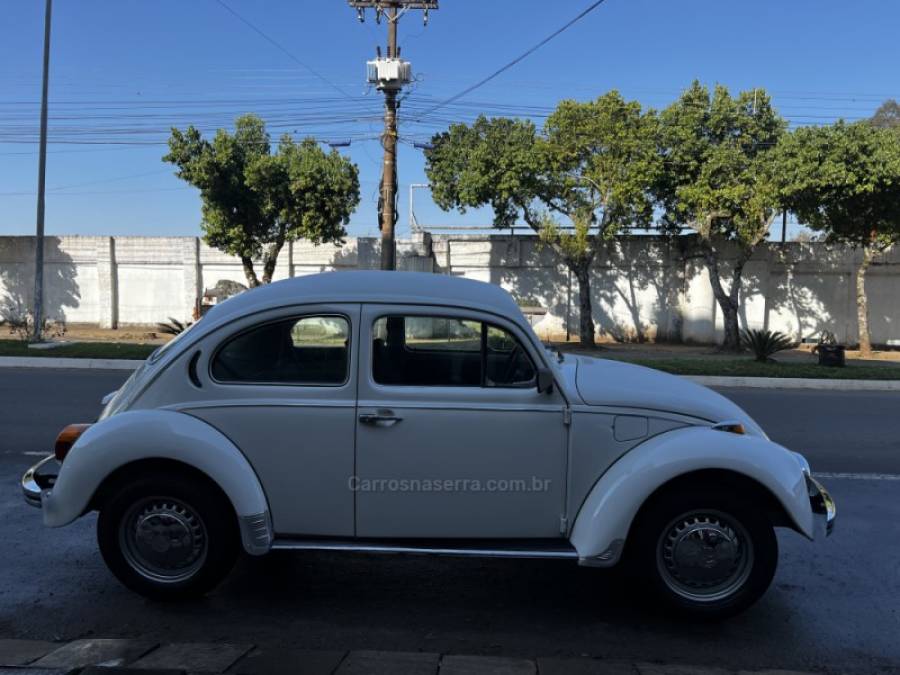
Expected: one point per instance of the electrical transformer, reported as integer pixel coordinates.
(389, 73)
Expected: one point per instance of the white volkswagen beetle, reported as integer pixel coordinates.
(419, 413)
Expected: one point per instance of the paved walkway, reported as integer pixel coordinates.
(112, 657)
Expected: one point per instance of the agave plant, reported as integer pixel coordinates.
(765, 343)
(172, 327)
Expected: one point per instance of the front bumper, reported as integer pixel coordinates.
(822, 505)
(39, 479)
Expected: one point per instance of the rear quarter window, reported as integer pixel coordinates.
(309, 350)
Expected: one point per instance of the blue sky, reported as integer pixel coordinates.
(123, 72)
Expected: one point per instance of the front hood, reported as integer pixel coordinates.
(625, 385)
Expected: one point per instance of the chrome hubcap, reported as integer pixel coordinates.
(705, 556)
(163, 540)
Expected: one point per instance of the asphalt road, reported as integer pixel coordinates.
(834, 605)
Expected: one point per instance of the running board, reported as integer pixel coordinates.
(554, 550)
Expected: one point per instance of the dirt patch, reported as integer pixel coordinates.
(89, 333)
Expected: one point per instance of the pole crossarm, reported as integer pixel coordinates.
(386, 4)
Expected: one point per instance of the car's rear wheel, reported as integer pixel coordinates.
(706, 554)
(168, 537)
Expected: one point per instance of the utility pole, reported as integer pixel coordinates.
(389, 170)
(38, 313)
(389, 74)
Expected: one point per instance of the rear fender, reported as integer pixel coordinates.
(159, 434)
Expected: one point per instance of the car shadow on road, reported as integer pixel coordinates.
(439, 595)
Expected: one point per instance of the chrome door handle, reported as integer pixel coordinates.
(383, 418)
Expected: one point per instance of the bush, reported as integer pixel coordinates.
(765, 343)
(18, 318)
(173, 327)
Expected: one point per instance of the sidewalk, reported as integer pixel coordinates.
(115, 657)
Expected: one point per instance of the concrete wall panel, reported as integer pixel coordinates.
(642, 287)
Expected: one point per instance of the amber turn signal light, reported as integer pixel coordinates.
(731, 427)
(67, 438)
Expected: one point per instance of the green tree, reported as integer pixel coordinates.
(718, 181)
(887, 115)
(255, 201)
(587, 176)
(844, 181)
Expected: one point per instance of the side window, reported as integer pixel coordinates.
(439, 334)
(447, 352)
(506, 363)
(312, 350)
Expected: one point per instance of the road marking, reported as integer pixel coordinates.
(856, 476)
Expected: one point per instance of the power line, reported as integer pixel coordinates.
(104, 192)
(284, 50)
(112, 180)
(514, 62)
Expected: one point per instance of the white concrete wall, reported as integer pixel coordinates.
(642, 287)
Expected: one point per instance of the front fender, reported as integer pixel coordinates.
(159, 434)
(601, 526)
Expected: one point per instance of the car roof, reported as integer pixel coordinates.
(370, 287)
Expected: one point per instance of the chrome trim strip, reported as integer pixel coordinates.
(554, 408)
(821, 503)
(31, 491)
(608, 558)
(256, 533)
(315, 545)
(187, 406)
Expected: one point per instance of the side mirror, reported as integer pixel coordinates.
(545, 380)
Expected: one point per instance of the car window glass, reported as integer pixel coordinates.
(507, 364)
(311, 350)
(447, 352)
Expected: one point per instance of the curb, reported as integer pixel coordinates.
(125, 656)
(705, 380)
(795, 383)
(68, 363)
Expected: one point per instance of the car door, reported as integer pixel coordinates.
(282, 386)
(453, 439)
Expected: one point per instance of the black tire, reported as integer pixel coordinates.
(173, 512)
(671, 529)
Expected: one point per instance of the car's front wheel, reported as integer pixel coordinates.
(709, 555)
(168, 537)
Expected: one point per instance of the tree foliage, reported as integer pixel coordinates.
(887, 115)
(718, 179)
(255, 201)
(579, 182)
(844, 180)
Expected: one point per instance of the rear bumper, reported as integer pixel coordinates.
(822, 505)
(39, 480)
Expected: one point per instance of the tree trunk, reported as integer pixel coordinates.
(249, 272)
(271, 260)
(862, 303)
(728, 302)
(732, 341)
(585, 308)
(580, 266)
